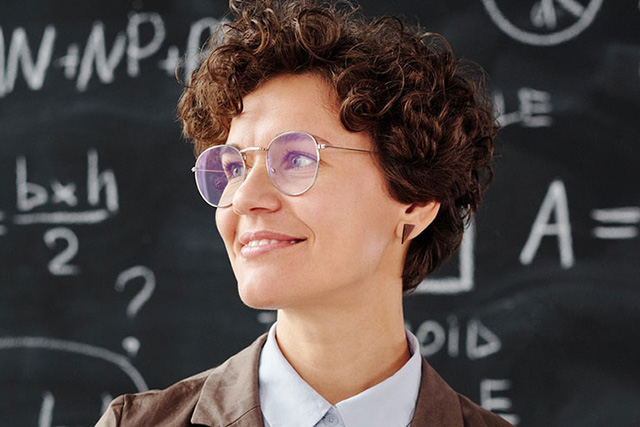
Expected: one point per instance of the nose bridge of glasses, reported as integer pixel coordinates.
(247, 189)
(244, 152)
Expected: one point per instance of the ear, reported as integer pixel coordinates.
(420, 216)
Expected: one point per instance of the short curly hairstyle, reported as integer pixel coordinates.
(428, 114)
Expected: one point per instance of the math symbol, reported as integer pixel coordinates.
(545, 22)
(171, 62)
(70, 61)
(132, 344)
(616, 223)
(545, 14)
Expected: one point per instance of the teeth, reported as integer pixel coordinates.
(263, 242)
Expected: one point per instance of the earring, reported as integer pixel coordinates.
(406, 230)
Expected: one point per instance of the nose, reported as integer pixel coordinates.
(257, 192)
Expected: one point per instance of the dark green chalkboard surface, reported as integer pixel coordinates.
(113, 278)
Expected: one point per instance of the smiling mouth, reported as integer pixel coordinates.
(265, 242)
(255, 248)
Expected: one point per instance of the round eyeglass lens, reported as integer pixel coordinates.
(219, 173)
(292, 160)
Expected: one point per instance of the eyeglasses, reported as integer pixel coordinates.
(292, 163)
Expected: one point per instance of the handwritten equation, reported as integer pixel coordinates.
(32, 197)
(552, 221)
(57, 204)
(60, 205)
(97, 58)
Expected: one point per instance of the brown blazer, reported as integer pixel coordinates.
(227, 396)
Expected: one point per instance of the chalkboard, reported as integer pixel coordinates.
(113, 278)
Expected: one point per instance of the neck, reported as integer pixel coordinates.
(344, 350)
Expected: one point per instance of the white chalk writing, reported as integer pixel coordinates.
(497, 404)
(533, 111)
(99, 58)
(554, 202)
(30, 195)
(19, 55)
(626, 216)
(542, 15)
(148, 286)
(59, 265)
(480, 341)
(87, 350)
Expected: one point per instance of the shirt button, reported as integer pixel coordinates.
(331, 420)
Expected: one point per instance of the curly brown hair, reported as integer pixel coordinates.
(427, 113)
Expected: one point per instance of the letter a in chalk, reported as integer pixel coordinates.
(554, 201)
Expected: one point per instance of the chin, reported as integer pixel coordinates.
(259, 297)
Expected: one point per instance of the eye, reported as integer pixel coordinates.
(298, 160)
(233, 170)
(218, 182)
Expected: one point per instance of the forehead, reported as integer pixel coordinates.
(302, 102)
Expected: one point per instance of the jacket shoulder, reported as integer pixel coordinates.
(171, 406)
(476, 416)
(224, 395)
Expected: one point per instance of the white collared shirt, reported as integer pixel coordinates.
(287, 400)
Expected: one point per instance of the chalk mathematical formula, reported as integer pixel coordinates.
(57, 206)
(552, 222)
(98, 58)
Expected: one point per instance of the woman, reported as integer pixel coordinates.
(344, 159)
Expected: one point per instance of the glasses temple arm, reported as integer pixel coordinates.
(194, 169)
(360, 150)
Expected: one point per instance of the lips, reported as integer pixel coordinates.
(264, 242)
(260, 242)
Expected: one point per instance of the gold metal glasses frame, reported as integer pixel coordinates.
(242, 152)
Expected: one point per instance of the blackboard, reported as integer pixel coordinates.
(113, 278)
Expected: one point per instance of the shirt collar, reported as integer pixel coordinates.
(391, 402)
(287, 400)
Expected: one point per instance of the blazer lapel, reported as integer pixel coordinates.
(230, 395)
(438, 403)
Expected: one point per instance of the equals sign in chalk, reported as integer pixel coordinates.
(621, 223)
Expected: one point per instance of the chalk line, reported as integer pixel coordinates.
(85, 217)
(77, 348)
(627, 215)
(551, 39)
(613, 233)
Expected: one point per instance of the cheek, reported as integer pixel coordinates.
(357, 227)
(225, 223)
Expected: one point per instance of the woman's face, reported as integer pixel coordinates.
(327, 246)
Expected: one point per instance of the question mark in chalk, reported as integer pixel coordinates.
(132, 344)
